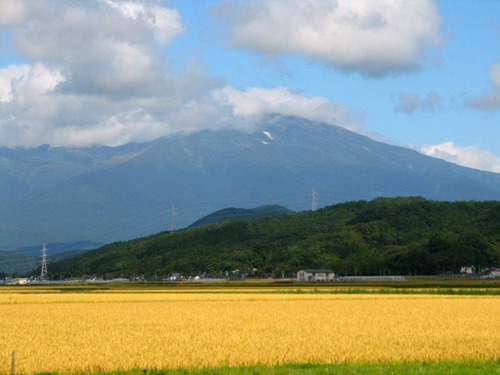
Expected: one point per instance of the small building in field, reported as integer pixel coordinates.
(315, 275)
(18, 281)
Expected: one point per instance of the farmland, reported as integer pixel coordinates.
(91, 329)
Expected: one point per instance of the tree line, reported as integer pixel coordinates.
(408, 235)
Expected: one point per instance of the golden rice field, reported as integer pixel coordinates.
(74, 332)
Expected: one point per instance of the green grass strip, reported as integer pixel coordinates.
(461, 368)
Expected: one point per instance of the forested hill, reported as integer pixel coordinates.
(400, 235)
(241, 213)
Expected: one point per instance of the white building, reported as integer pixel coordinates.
(315, 276)
(17, 281)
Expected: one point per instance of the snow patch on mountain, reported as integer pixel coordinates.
(268, 135)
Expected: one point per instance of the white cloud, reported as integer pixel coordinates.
(165, 22)
(257, 101)
(25, 97)
(467, 156)
(7, 78)
(12, 12)
(37, 80)
(119, 129)
(371, 37)
(105, 47)
(94, 74)
(490, 100)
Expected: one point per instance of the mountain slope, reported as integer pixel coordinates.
(16, 263)
(396, 234)
(105, 194)
(24, 259)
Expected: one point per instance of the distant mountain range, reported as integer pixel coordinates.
(105, 194)
(25, 259)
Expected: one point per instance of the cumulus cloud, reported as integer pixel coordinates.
(42, 115)
(93, 73)
(103, 47)
(166, 23)
(490, 100)
(374, 38)
(410, 102)
(468, 156)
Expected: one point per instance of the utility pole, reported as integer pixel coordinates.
(313, 200)
(43, 274)
(172, 219)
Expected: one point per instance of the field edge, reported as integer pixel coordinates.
(491, 366)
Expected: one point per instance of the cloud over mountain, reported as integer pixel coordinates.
(471, 156)
(94, 74)
(107, 72)
(257, 101)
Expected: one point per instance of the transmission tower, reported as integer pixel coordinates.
(172, 219)
(43, 274)
(313, 200)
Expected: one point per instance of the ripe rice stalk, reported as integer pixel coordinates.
(111, 331)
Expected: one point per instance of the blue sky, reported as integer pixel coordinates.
(418, 73)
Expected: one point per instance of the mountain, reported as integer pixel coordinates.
(232, 213)
(16, 263)
(58, 247)
(397, 235)
(104, 194)
(24, 259)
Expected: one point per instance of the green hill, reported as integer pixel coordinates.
(398, 235)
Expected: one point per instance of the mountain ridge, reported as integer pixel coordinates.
(107, 194)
